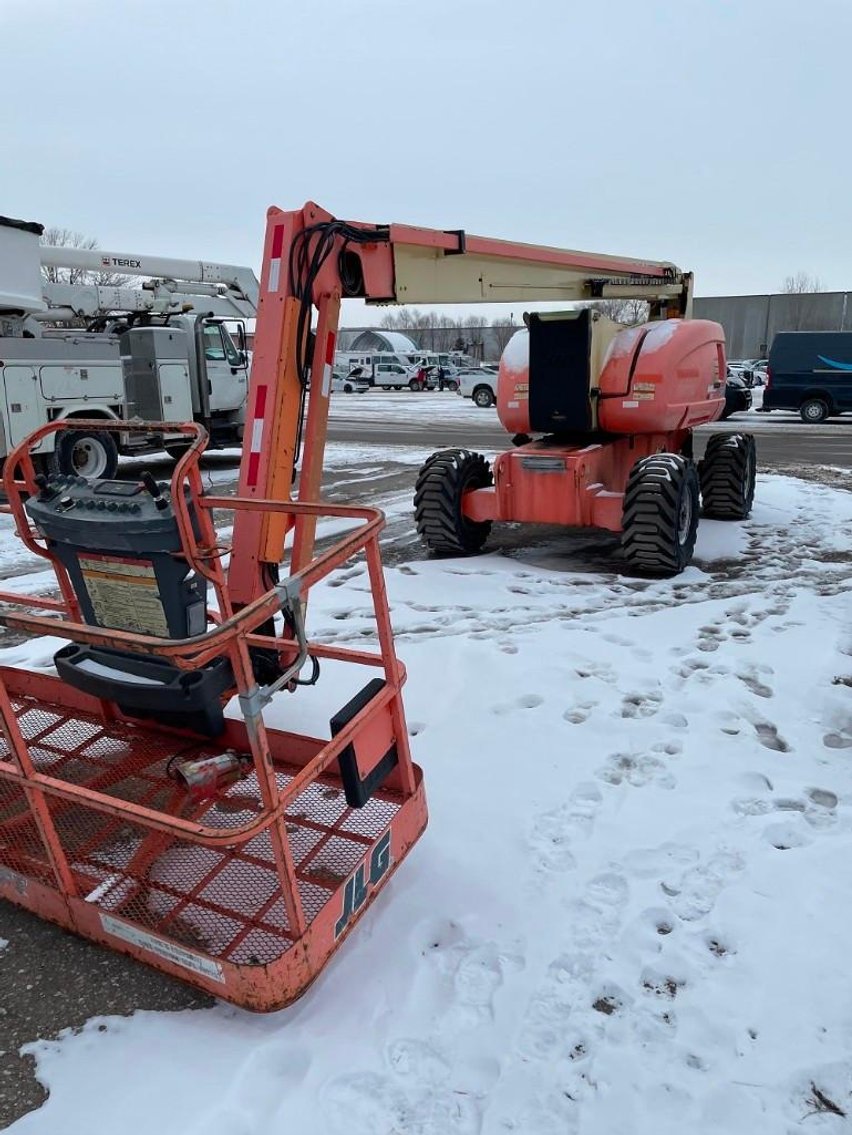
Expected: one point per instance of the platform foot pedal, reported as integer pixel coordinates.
(359, 788)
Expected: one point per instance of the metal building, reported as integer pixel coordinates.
(751, 322)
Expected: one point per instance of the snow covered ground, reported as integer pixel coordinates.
(630, 912)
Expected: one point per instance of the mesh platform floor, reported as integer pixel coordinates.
(226, 902)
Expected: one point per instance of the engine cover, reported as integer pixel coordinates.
(571, 375)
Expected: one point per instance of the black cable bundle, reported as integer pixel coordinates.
(309, 251)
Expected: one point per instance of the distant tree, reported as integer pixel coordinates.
(474, 327)
(626, 311)
(66, 238)
(502, 331)
(801, 311)
(802, 283)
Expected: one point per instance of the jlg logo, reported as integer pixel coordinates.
(359, 883)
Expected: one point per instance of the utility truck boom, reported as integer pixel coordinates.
(159, 349)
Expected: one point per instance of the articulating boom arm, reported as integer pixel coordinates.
(311, 259)
(428, 266)
(402, 264)
(226, 290)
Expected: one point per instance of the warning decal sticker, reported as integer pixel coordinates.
(163, 948)
(124, 594)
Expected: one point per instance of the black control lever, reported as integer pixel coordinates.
(154, 489)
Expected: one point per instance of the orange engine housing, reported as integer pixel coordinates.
(558, 377)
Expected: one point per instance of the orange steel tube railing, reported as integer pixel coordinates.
(232, 635)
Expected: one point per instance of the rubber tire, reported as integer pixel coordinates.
(397, 388)
(450, 385)
(658, 488)
(727, 476)
(176, 451)
(415, 385)
(820, 408)
(441, 483)
(483, 397)
(61, 462)
(348, 388)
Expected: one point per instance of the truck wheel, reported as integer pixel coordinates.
(84, 454)
(442, 482)
(483, 396)
(415, 385)
(660, 517)
(177, 451)
(727, 476)
(348, 388)
(814, 410)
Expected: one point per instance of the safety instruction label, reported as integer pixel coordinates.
(169, 951)
(124, 594)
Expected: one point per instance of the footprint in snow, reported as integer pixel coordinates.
(370, 1104)
(342, 577)
(549, 1030)
(552, 832)
(768, 735)
(579, 712)
(269, 1072)
(471, 972)
(710, 638)
(729, 722)
(676, 720)
(816, 805)
(416, 1059)
(637, 770)
(642, 704)
(525, 701)
(785, 836)
(602, 672)
(694, 894)
(751, 680)
(669, 748)
(838, 740)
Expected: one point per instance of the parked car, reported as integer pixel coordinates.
(810, 371)
(478, 384)
(446, 377)
(737, 395)
(348, 383)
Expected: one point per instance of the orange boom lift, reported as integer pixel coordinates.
(217, 846)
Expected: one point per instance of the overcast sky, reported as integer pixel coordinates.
(713, 133)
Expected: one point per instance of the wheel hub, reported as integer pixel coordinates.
(684, 519)
(88, 459)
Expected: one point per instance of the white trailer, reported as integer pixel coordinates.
(162, 351)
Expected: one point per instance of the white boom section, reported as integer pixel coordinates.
(224, 289)
(159, 298)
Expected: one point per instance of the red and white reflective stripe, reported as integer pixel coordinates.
(329, 364)
(256, 443)
(275, 259)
